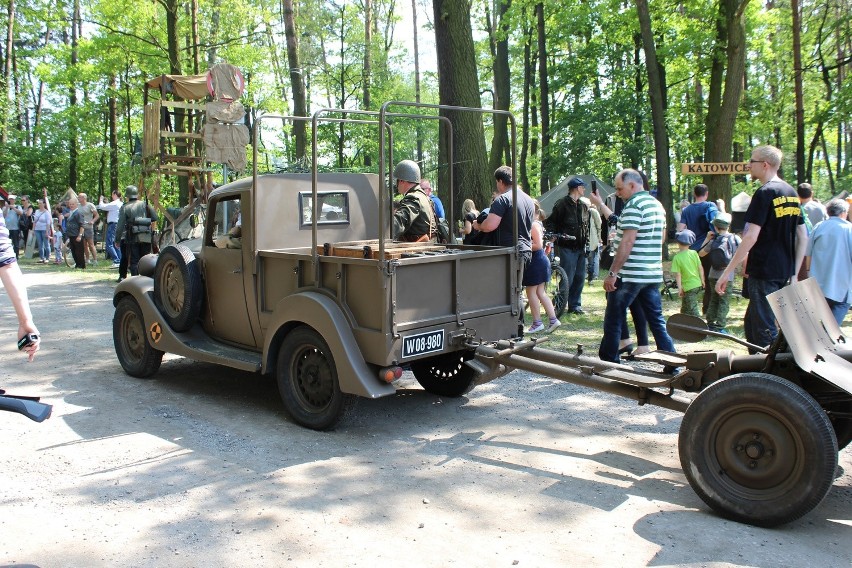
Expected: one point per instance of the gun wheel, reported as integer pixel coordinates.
(758, 449)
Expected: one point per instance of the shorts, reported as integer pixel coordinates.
(88, 233)
(538, 270)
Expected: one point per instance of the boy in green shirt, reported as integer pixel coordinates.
(686, 266)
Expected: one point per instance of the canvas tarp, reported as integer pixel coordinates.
(549, 199)
(187, 87)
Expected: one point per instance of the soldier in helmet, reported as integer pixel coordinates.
(136, 221)
(413, 219)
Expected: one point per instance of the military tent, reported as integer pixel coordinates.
(549, 199)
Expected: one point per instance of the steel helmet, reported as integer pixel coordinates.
(131, 192)
(407, 170)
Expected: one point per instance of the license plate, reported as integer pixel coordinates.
(421, 343)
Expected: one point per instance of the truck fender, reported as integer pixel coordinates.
(322, 313)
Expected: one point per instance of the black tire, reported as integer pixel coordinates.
(758, 449)
(178, 288)
(557, 289)
(307, 381)
(130, 337)
(446, 374)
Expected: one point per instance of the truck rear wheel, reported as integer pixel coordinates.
(307, 381)
(137, 357)
(178, 290)
(446, 374)
(758, 449)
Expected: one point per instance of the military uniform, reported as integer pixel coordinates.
(137, 236)
(414, 219)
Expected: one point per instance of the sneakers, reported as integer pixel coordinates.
(115, 266)
(536, 327)
(553, 325)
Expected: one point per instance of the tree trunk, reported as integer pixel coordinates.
(799, 96)
(502, 89)
(418, 126)
(72, 102)
(112, 107)
(7, 75)
(722, 109)
(368, 48)
(213, 32)
(544, 100)
(458, 85)
(657, 93)
(525, 128)
(296, 79)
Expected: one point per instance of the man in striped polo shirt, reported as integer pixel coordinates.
(637, 269)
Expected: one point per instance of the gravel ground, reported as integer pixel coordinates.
(200, 466)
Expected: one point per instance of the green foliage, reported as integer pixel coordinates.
(599, 108)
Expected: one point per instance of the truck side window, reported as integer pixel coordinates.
(334, 208)
(227, 224)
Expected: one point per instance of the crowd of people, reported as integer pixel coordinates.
(788, 235)
(69, 228)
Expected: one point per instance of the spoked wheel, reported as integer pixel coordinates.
(67, 256)
(137, 357)
(557, 289)
(445, 375)
(178, 289)
(758, 449)
(307, 381)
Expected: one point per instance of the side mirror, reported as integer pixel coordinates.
(193, 220)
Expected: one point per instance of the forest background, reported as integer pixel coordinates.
(596, 85)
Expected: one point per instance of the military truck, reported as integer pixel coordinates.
(296, 276)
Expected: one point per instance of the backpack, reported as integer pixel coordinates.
(442, 229)
(722, 251)
(25, 222)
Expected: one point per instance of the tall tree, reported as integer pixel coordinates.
(726, 83)
(544, 99)
(297, 82)
(502, 88)
(657, 93)
(458, 85)
(797, 89)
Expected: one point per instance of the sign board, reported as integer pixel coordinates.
(723, 169)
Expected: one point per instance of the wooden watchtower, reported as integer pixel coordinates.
(173, 141)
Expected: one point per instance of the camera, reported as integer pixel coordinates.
(27, 340)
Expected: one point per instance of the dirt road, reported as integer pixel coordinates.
(200, 467)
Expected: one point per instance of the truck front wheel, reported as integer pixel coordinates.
(758, 449)
(446, 374)
(307, 381)
(134, 352)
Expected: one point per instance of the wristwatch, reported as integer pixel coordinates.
(613, 274)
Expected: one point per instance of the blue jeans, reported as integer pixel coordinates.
(42, 245)
(574, 263)
(759, 321)
(838, 309)
(112, 251)
(640, 324)
(648, 298)
(593, 263)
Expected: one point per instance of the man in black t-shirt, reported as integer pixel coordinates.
(776, 238)
(571, 217)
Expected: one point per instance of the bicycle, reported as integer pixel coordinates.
(557, 286)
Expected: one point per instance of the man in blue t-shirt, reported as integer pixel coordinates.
(698, 218)
(776, 238)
